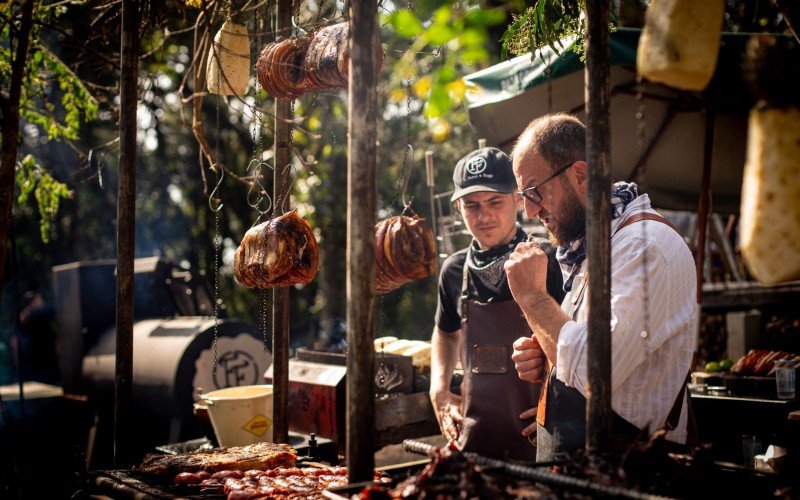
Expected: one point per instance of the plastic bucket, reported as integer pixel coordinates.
(241, 415)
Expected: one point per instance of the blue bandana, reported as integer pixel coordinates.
(574, 253)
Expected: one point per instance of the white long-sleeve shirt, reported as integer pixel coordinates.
(649, 364)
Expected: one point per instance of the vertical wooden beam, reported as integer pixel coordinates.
(280, 297)
(598, 216)
(126, 215)
(361, 200)
(705, 199)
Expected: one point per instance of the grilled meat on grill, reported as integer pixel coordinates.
(255, 456)
(760, 362)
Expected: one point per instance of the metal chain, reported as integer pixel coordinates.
(408, 153)
(641, 126)
(217, 239)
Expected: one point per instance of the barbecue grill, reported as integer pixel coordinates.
(174, 347)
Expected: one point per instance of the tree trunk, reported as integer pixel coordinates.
(332, 249)
(10, 132)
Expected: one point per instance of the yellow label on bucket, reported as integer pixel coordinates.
(258, 425)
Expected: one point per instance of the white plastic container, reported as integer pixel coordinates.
(241, 415)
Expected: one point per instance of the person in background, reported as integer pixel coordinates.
(36, 340)
(477, 321)
(652, 297)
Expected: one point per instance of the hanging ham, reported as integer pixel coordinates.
(404, 251)
(279, 252)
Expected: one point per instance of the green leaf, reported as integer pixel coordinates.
(474, 55)
(472, 37)
(446, 74)
(405, 23)
(438, 103)
(439, 34)
(486, 17)
(442, 15)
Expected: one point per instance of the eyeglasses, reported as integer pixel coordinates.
(533, 195)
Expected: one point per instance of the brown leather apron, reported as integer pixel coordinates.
(493, 394)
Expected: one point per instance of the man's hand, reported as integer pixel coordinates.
(528, 358)
(526, 269)
(529, 431)
(447, 407)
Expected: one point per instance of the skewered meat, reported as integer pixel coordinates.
(760, 362)
(254, 456)
(404, 251)
(279, 252)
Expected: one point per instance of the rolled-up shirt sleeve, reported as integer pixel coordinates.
(571, 353)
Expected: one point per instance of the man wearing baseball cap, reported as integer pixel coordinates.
(477, 320)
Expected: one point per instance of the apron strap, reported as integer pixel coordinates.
(462, 299)
(647, 216)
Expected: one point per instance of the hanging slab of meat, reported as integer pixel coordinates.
(279, 252)
(404, 251)
(260, 456)
(280, 68)
(328, 57)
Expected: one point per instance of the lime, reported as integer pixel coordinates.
(725, 364)
(712, 366)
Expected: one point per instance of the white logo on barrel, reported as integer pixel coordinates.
(476, 165)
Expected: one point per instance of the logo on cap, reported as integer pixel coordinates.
(476, 165)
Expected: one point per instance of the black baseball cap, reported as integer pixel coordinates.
(485, 169)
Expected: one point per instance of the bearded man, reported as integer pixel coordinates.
(653, 311)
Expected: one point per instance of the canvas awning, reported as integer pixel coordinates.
(662, 150)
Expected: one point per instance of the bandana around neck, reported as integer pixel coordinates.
(573, 253)
(487, 265)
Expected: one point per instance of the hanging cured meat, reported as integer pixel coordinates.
(280, 68)
(328, 57)
(404, 251)
(279, 252)
(291, 67)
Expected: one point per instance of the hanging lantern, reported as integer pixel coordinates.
(230, 53)
(680, 42)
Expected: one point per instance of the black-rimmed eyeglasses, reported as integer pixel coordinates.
(533, 195)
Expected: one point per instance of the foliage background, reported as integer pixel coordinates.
(66, 195)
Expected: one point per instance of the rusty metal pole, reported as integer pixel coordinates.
(280, 295)
(705, 195)
(361, 202)
(126, 213)
(598, 216)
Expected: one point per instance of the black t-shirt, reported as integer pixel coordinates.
(448, 317)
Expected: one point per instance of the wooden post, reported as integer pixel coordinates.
(705, 191)
(361, 202)
(280, 297)
(430, 180)
(598, 216)
(126, 213)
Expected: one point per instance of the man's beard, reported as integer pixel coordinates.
(571, 220)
